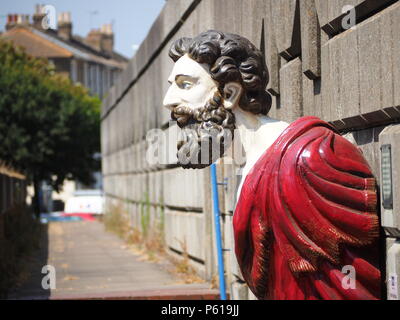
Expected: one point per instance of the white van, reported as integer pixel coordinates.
(85, 201)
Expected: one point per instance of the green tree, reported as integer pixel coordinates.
(49, 127)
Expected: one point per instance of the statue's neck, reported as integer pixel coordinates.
(256, 134)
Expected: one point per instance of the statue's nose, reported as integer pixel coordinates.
(171, 99)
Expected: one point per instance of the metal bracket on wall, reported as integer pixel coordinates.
(225, 184)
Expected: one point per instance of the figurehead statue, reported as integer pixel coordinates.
(305, 222)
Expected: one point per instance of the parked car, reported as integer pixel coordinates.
(85, 201)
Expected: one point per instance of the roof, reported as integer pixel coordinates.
(49, 45)
(36, 45)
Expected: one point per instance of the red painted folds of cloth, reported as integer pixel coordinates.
(305, 225)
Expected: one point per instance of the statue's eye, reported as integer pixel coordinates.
(185, 85)
(185, 82)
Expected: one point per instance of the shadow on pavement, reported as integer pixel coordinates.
(30, 282)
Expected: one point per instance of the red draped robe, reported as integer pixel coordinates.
(306, 223)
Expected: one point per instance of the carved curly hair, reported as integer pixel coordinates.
(231, 58)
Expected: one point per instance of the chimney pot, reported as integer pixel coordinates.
(16, 19)
(38, 9)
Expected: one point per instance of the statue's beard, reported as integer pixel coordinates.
(207, 132)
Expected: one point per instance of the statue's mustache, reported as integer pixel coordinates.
(182, 115)
(213, 111)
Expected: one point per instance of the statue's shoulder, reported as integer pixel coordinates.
(310, 145)
(319, 139)
(305, 124)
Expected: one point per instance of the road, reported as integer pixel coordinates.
(91, 263)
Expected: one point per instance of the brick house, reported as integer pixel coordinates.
(89, 60)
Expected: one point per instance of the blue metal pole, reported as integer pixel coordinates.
(221, 267)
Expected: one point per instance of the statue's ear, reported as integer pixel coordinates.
(232, 94)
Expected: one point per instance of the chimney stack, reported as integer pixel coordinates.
(11, 21)
(94, 39)
(107, 40)
(64, 25)
(38, 16)
(17, 19)
(23, 19)
(101, 39)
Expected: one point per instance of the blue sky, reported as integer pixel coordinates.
(132, 18)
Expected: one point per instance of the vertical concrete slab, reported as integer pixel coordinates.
(291, 90)
(226, 16)
(395, 21)
(310, 40)
(387, 58)
(370, 67)
(330, 78)
(286, 20)
(272, 53)
(183, 232)
(348, 66)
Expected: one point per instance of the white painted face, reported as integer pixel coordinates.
(191, 84)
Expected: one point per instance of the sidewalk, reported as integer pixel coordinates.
(91, 263)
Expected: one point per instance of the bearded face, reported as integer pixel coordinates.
(206, 132)
(198, 106)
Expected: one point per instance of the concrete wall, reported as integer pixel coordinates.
(347, 76)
